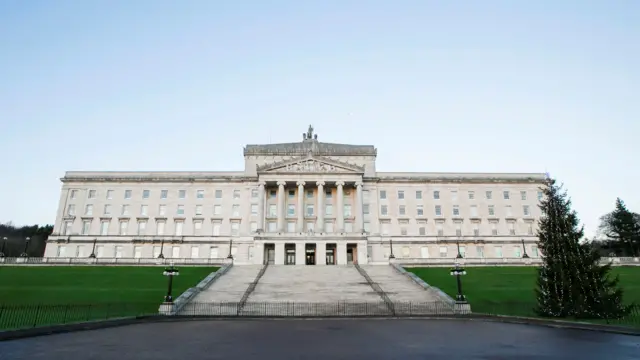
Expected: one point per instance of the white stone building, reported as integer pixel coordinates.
(295, 203)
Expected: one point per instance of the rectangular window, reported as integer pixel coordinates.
(86, 224)
(440, 229)
(175, 252)
(309, 210)
(182, 194)
(109, 194)
(474, 210)
(199, 194)
(160, 225)
(402, 210)
(291, 227)
(73, 194)
(235, 228)
(489, 195)
(491, 210)
(530, 229)
(291, 210)
(328, 194)
(443, 251)
(505, 194)
(254, 193)
(418, 195)
(107, 209)
(328, 210)
(525, 210)
(179, 227)
(365, 209)
(254, 209)
(472, 195)
(512, 228)
(523, 195)
(273, 210)
(309, 194)
(454, 195)
(180, 210)
(198, 210)
(534, 251)
(124, 225)
(507, 210)
(400, 194)
(383, 194)
(253, 226)
(436, 195)
(292, 194)
(218, 194)
(164, 194)
(347, 210)
(456, 210)
(272, 194)
(213, 252)
(498, 250)
(92, 194)
(144, 210)
(235, 210)
(88, 210)
(127, 194)
(494, 228)
(540, 195)
(384, 228)
(104, 228)
(216, 228)
(100, 251)
(458, 229)
(479, 251)
(419, 210)
(463, 251)
(516, 252)
(197, 227)
(476, 229)
(162, 210)
(367, 227)
(142, 227)
(71, 210)
(119, 251)
(438, 210)
(424, 252)
(156, 251)
(137, 252)
(195, 252)
(422, 230)
(125, 210)
(403, 231)
(146, 194)
(383, 210)
(217, 209)
(236, 194)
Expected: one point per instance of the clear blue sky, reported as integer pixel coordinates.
(465, 86)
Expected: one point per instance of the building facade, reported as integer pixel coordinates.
(306, 202)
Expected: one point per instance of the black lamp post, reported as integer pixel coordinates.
(26, 245)
(170, 272)
(391, 256)
(161, 256)
(4, 242)
(458, 271)
(93, 250)
(459, 256)
(524, 251)
(230, 256)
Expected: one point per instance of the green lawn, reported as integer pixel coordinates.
(38, 295)
(510, 290)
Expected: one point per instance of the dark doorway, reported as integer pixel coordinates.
(310, 254)
(269, 254)
(331, 254)
(352, 254)
(290, 254)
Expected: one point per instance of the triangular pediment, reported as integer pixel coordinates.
(310, 164)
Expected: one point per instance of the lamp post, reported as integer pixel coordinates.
(524, 251)
(459, 256)
(458, 271)
(93, 250)
(170, 272)
(161, 256)
(230, 256)
(4, 242)
(26, 245)
(391, 256)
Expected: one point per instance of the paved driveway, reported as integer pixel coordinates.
(326, 339)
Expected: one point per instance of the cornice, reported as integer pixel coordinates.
(158, 179)
(310, 157)
(428, 179)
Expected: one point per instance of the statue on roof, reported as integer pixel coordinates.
(310, 133)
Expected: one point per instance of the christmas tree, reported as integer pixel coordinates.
(571, 281)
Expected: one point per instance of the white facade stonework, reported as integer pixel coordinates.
(304, 202)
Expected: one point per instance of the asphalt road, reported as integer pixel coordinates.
(326, 339)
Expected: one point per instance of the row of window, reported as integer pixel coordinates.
(446, 252)
(291, 227)
(471, 195)
(200, 194)
(125, 210)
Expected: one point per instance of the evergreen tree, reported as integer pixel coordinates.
(622, 226)
(571, 282)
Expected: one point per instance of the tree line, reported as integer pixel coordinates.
(13, 239)
(619, 232)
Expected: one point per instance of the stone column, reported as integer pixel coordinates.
(279, 256)
(301, 256)
(359, 214)
(320, 206)
(321, 253)
(340, 208)
(261, 206)
(341, 253)
(300, 224)
(281, 209)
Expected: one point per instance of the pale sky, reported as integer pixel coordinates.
(436, 86)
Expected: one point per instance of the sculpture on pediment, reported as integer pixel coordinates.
(310, 166)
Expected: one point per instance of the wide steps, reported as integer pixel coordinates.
(398, 287)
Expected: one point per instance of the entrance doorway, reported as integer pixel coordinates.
(269, 254)
(290, 254)
(310, 254)
(330, 257)
(352, 254)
